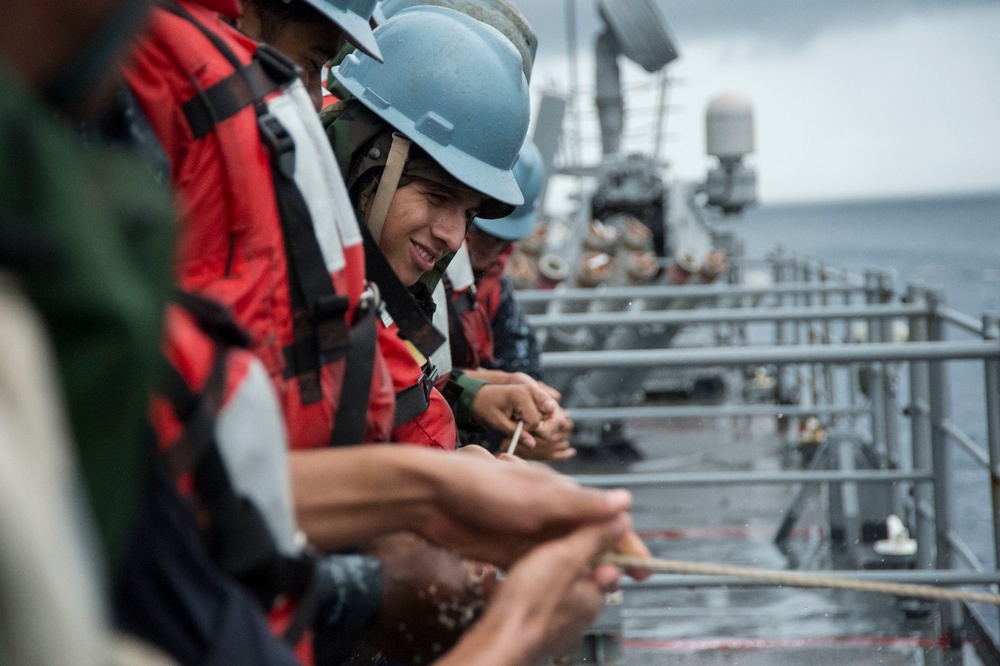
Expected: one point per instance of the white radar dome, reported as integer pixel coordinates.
(729, 127)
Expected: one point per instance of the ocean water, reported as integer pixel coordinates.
(950, 242)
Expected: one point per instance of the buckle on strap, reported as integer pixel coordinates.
(277, 137)
(414, 400)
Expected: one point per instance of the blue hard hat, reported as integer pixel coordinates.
(453, 86)
(353, 17)
(501, 14)
(530, 174)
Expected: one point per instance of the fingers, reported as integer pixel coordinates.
(633, 546)
(551, 391)
(546, 403)
(606, 577)
(522, 406)
(506, 457)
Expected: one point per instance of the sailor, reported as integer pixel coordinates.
(266, 234)
(308, 32)
(494, 342)
(262, 229)
(412, 144)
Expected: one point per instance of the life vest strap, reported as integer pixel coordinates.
(413, 323)
(319, 313)
(249, 85)
(464, 301)
(359, 368)
(414, 400)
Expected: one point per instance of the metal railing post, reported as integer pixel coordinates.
(876, 371)
(991, 331)
(779, 327)
(889, 370)
(991, 366)
(920, 427)
(951, 614)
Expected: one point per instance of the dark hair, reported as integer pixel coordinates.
(276, 14)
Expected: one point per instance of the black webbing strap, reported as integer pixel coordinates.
(352, 408)
(413, 401)
(413, 323)
(460, 353)
(214, 318)
(318, 312)
(249, 85)
(463, 302)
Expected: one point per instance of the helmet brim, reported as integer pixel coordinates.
(357, 30)
(511, 228)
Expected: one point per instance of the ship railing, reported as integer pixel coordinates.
(799, 310)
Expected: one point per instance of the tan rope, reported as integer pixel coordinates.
(798, 579)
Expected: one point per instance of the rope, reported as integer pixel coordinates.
(796, 579)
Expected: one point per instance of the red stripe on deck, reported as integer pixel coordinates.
(699, 644)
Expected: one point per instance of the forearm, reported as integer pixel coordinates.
(349, 495)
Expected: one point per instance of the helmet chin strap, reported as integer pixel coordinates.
(388, 184)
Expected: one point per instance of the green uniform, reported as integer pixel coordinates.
(86, 229)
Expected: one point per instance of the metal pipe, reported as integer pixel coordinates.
(921, 351)
(991, 367)
(695, 411)
(886, 376)
(719, 315)
(960, 319)
(692, 291)
(643, 479)
(920, 432)
(951, 613)
(969, 445)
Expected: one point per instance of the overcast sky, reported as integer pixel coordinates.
(852, 98)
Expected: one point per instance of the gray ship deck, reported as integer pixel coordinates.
(748, 625)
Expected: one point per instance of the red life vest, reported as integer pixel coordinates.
(221, 433)
(423, 416)
(488, 291)
(252, 233)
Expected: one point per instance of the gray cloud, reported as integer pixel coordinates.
(791, 23)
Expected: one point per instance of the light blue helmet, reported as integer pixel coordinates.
(530, 174)
(453, 86)
(501, 14)
(353, 17)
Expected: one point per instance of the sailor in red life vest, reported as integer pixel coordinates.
(503, 343)
(427, 143)
(264, 229)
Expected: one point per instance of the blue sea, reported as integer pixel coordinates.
(951, 242)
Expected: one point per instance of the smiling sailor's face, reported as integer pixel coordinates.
(426, 221)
